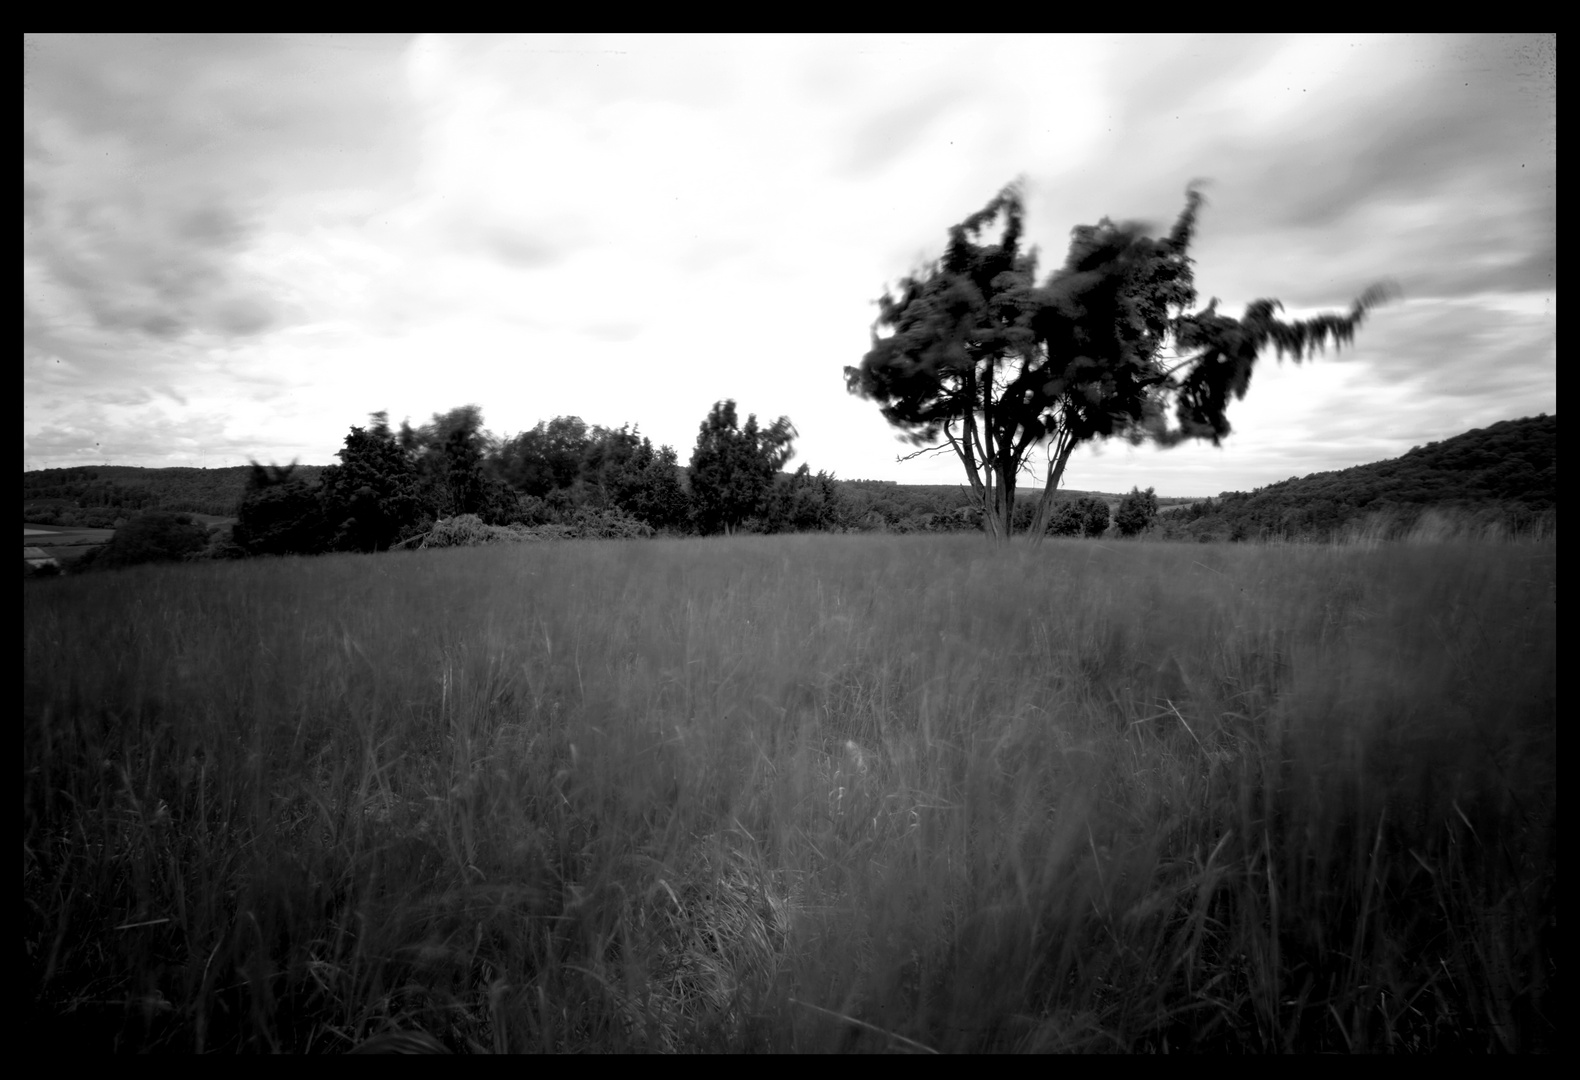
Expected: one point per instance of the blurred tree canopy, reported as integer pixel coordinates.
(971, 350)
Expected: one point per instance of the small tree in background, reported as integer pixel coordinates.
(1136, 512)
(156, 536)
(815, 503)
(733, 468)
(804, 502)
(1085, 516)
(1094, 516)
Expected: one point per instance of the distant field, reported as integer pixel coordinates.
(74, 538)
(815, 793)
(53, 535)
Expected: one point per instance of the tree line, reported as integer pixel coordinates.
(96, 496)
(562, 478)
(451, 482)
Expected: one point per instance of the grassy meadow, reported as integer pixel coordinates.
(809, 793)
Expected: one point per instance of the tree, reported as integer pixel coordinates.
(804, 502)
(280, 514)
(156, 536)
(732, 468)
(979, 354)
(1079, 517)
(650, 488)
(547, 458)
(1136, 511)
(452, 458)
(1094, 516)
(815, 503)
(374, 496)
(1066, 520)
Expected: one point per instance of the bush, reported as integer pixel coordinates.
(1085, 516)
(607, 525)
(1094, 513)
(468, 530)
(1136, 512)
(156, 536)
(463, 530)
(284, 518)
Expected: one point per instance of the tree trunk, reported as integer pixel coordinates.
(1004, 501)
(1039, 521)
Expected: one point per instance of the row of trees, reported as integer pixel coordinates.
(971, 356)
(561, 478)
(65, 496)
(393, 485)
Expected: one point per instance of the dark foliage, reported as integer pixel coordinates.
(979, 355)
(280, 514)
(547, 458)
(449, 458)
(1505, 475)
(563, 466)
(623, 470)
(1085, 516)
(375, 495)
(803, 502)
(70, 496)
(156, 536)
(1136, 511)
(733, 467)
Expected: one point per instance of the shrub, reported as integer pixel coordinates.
(463, 530)
(156, 536)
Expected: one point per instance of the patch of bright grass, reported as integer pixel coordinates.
(797, 794)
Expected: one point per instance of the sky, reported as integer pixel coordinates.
(238, 247)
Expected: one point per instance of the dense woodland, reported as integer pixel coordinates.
(451, 482)
(95, 496)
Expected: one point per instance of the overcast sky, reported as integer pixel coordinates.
(238, 247)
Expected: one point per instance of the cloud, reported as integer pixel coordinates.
(616, 331)
(152, 164)
(272, 229)
(893, 133)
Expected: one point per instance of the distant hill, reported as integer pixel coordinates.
(95, 495)
(1504, 475)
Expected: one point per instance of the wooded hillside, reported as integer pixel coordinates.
(1504, 475)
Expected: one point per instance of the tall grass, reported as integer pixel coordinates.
(799, 794)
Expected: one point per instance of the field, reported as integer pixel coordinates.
(58, 535)
(65, 545)
(820, 793)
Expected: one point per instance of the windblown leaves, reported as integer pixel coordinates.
(1078, 357)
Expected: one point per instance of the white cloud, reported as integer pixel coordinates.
(255, 242)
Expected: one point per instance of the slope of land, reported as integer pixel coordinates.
(1502, 476)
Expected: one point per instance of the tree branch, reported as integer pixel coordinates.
(940, 448)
